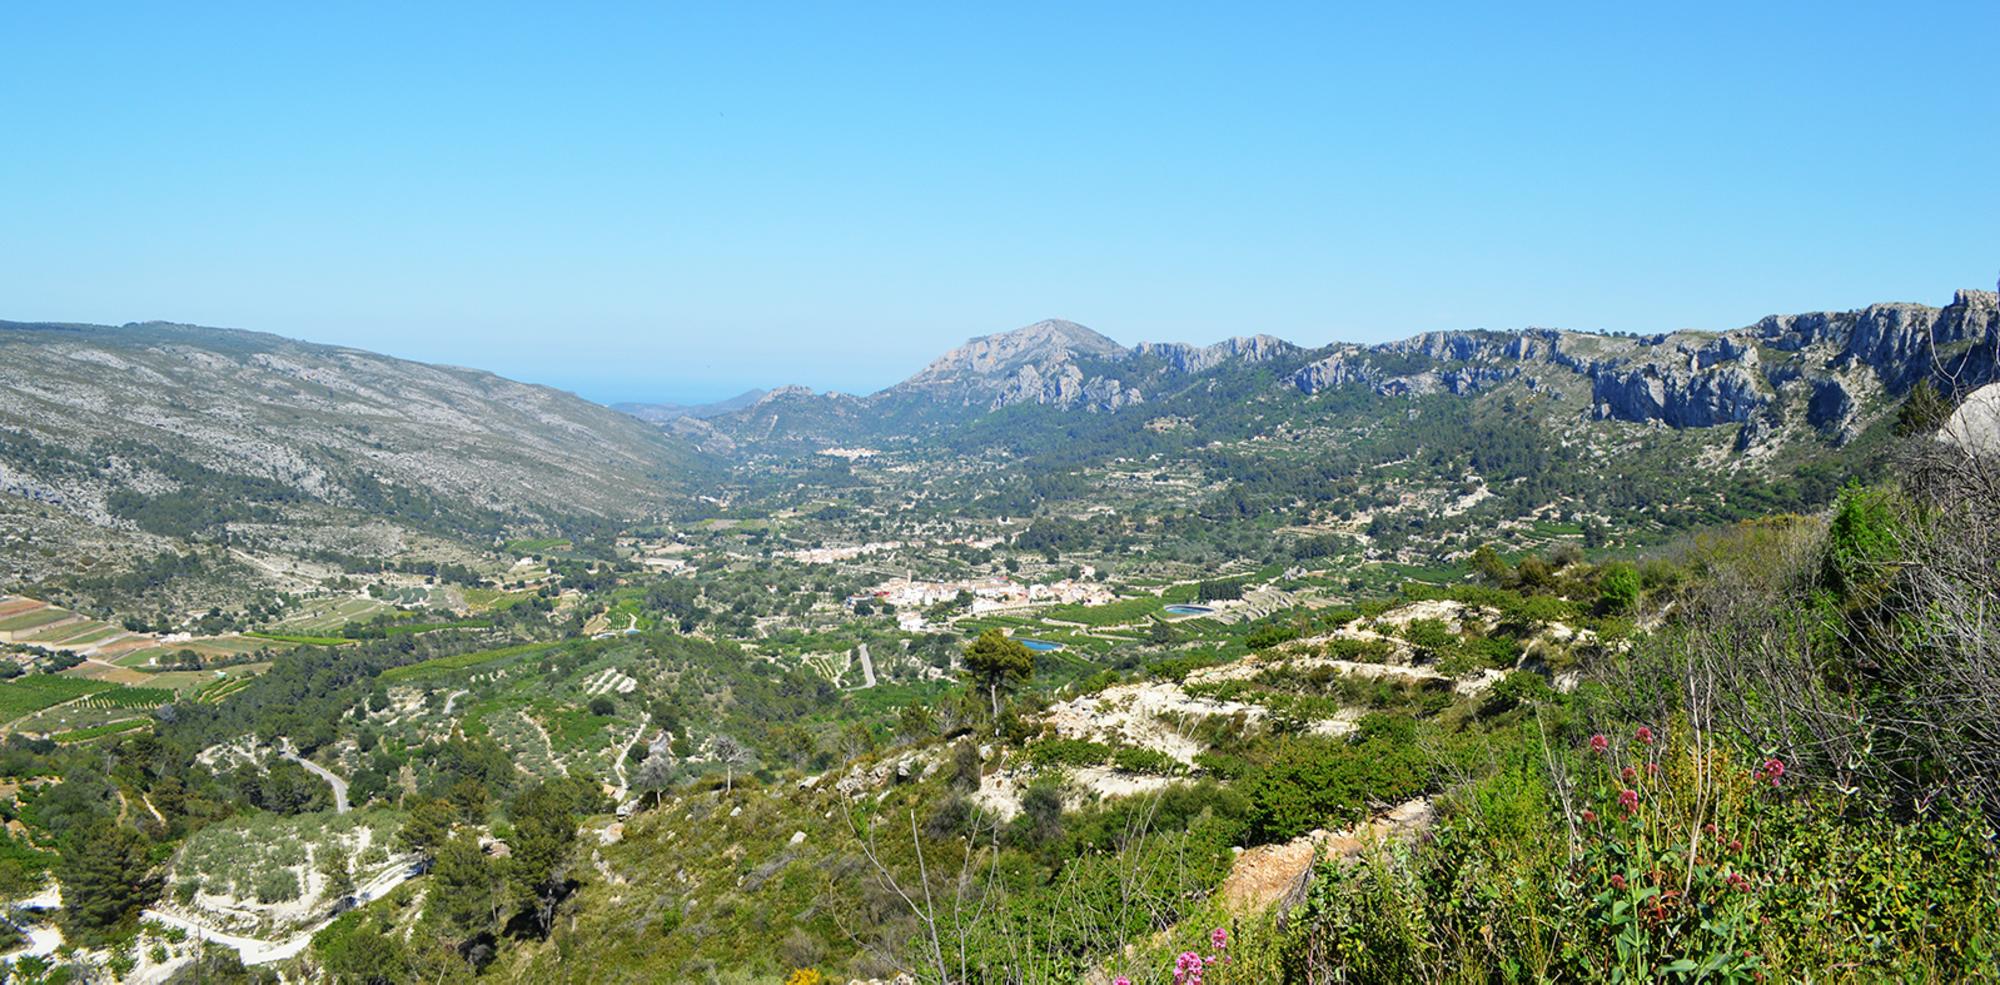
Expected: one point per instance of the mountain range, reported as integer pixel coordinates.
(1824, 373)
(125, 439)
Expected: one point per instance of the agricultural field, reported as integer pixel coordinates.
(326, 616)
(25, 696)
(1120, 613)
(93, 732)
(219, 688)
(463, 661)
(491, 599)
(211, 648)
(19, 625)
(37, 623)
(72, 702)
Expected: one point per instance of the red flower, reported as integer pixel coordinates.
(1629, 800)
(1629, 774)
(1644, 735)
(1589, 816)
(1598, 743)
(1652, 769)
(1617, 881)
(1735, 844)
(1772, 770)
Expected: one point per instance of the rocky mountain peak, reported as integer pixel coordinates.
(1043, 345)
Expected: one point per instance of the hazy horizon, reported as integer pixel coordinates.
(674, 206)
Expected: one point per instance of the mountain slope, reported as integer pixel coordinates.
(182, 430)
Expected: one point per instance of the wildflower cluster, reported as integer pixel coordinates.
(1191, 966)
(1669, 881)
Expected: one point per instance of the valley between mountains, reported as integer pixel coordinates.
(1497, 655)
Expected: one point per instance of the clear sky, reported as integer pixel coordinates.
(662, 201)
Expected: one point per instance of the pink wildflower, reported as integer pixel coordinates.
(1629, 774)
(1617, 880)
(1220, 938)
(1652, 769)
(1598, 743)
(1121, 980)
(1187, 968)
(1629, 800)
(1773, 769)
(1589, 816)
(1644, 735)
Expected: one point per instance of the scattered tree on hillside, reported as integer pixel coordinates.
(465, 892)
(542, 851)
(733, 755)
(656, 774)
(996, 662)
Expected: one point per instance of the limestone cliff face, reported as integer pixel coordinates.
(1829, 360)
(1181, 357)
(1680, 399)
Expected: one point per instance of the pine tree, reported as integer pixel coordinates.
(543, 848)
(997, 662)
(427, 827)
(465, 891)
(106, 877)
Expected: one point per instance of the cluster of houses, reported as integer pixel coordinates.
(995, 593)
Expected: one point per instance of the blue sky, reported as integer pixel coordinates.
(680, 201)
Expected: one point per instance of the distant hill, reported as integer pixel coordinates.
(662, 413)
(183, 432)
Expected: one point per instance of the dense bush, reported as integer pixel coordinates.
(1318, 783)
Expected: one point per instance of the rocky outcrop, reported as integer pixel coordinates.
(1341, 369)
(1064, 386)
(1975, 425)
(1677, 398)
(1696, 379)
(1042, 346)
(1183, 358)
(1038, 364)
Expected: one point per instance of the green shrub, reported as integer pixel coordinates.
(1047, 753)
(277, 885)
(1617, 589)
(1313, 783)
(1137, 760)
